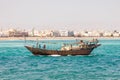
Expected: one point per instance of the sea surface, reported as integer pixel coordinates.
(17, 63)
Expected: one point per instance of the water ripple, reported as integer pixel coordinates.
(17, 63)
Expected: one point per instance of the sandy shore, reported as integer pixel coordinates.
(55, 38)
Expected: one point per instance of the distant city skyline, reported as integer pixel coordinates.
(60, 14)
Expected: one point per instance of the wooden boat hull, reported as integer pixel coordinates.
(38, 51)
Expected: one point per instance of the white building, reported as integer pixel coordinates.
(33, 32)
(63, 33)
(107, 34)
(46, 33)
(95, 34)
(84, 33)
(77, 34)
(5, 34)
(116, 34)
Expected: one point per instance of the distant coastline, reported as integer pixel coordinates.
(56, 38)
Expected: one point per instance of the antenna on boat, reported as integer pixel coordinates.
(24, 40)
(37, 43)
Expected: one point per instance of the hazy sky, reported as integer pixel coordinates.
(60, 14)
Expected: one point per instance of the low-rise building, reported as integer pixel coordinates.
(63, 33)
(4, 34)
(70, 33)
(95, 34)
(77, 34)
(16, 33)
(56, 34)
(116, 34)
(107, 34)
(84, 33)
(46, 33)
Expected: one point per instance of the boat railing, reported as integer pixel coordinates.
(61, 45)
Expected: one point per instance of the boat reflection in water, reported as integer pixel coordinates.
(77, 48)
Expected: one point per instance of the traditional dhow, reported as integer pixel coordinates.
(81, 48)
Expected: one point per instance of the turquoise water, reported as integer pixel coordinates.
(17, 63)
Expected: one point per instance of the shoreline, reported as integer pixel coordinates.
(57, 38)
